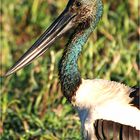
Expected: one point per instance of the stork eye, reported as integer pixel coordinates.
(78, 4)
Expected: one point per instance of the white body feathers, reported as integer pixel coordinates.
(108, 100)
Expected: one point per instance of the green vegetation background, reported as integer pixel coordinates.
(31, 103)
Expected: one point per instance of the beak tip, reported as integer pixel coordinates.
(7, 74)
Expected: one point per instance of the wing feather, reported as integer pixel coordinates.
(109, 130)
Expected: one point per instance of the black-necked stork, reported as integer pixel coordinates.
(105, 107)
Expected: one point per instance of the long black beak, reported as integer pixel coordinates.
(60, 26)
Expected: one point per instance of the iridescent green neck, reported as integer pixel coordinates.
(68, 68)
(69, 74)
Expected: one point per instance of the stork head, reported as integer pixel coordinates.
(85, 11)
(77, 12)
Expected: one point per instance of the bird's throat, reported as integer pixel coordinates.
(69, 74)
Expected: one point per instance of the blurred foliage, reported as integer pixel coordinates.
(31, 103)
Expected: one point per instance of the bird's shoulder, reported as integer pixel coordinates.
(99, 90)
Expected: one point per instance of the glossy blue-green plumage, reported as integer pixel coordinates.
(68, 68)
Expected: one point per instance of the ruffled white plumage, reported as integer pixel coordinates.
(108, 100)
